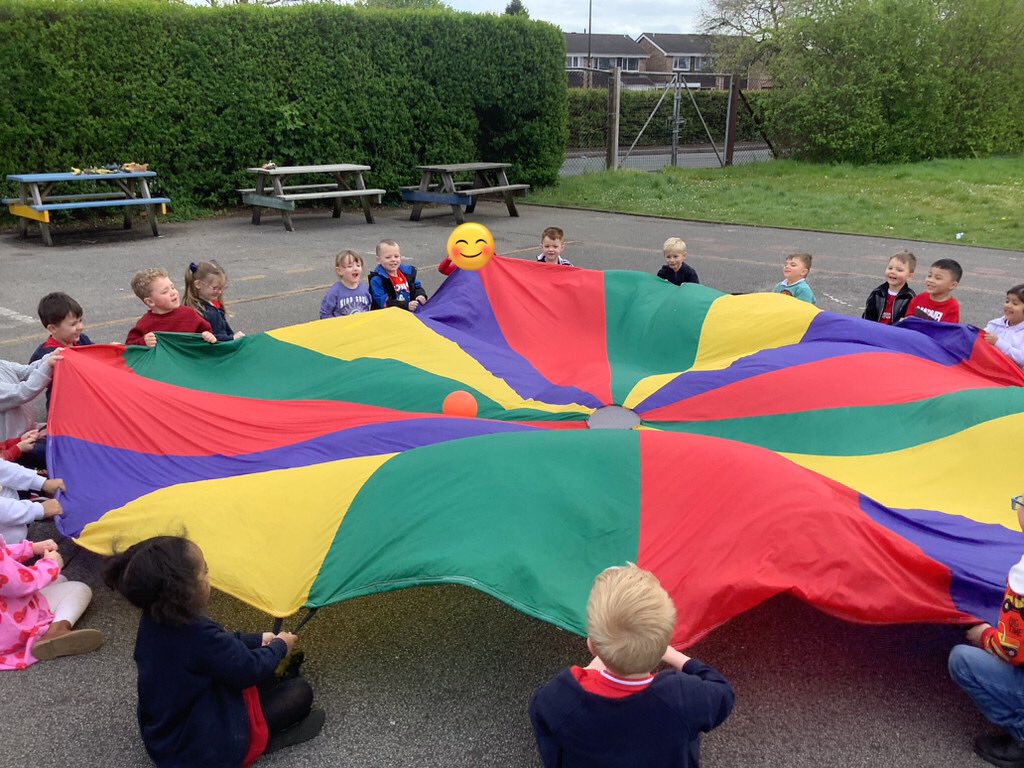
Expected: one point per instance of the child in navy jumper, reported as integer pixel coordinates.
(676, 270)
(205, 284)
(207, 698)
(616, 711)
(61, 316)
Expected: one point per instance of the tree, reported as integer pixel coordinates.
(516, 8)
(403, 4)
(745, 29)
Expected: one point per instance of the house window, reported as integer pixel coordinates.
(702, 63)
(572, 62)
(630, 65)
(681, 63)
(606, 64)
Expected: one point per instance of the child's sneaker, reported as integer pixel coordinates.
(72, 643)
(304, 730)
(1002, 750)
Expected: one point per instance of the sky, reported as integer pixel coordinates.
(613, 17)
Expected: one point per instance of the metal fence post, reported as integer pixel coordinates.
(675, 123)
(730, 118)
(614, 86)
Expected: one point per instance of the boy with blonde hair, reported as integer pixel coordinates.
(676, 270)
(616, 711)
(795, 269)
(392, 283)
(166, 313)
(888, 303)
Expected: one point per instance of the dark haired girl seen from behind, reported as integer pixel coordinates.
(207, 698)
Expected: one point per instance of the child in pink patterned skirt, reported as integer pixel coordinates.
(39, 607)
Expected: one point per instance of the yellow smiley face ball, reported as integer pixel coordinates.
(470, 246)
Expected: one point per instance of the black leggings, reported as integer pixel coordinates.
(285, 702)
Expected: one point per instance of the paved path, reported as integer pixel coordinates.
(441, 676)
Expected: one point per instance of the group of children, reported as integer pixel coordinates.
(204, 691)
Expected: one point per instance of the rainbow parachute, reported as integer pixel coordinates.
(863, 468)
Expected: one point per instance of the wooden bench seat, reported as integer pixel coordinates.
(85, 196)
(109, 202)
(291, 188)
(490, 190)
(436, 187)
(333, 193)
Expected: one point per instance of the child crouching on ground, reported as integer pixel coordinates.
(206, 696)
(39, 607)
(616, 711)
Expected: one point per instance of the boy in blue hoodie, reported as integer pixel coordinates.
(392, 283)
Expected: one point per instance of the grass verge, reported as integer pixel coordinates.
(973, 202)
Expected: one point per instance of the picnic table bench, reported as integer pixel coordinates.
(279, 195)
(36, 198)
(488, 179)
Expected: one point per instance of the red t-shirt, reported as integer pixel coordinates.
(922, 306)
(608, 685)
(401, 286)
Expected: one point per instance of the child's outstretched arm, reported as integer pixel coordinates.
(33, 379)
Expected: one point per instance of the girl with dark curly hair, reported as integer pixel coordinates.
(207, 697)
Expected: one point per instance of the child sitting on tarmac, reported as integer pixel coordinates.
(205, 284)
(17, 513)
(392, 283)
(990, 669)
(1007, 332)
(888, 303)
(795, 269)
(61, 316)
(552, 244)
(165, 313)
(348, 296)
(676, 270)
(938, 302)
(616, 711)
(39, 607)
(206, 696)
(19, 386)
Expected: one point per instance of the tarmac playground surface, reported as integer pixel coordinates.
(441, 676)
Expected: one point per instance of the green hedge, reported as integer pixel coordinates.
(201, 94)
(588, 110)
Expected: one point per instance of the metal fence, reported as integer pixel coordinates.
(671, 133)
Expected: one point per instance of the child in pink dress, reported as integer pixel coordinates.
(39, 607)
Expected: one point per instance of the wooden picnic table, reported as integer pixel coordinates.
(488, 178)
(278, 194)
(36, 197)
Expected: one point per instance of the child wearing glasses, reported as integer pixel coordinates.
(990, 669)
(205, 284)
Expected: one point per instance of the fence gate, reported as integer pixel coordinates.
(610, 127)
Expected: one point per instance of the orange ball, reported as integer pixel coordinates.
(459, 403)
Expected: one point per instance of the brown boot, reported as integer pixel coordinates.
(61, 640)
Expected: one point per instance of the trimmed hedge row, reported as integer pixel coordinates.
(201, 94)
(589, 114)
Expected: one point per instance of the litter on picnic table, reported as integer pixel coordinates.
(110, 168)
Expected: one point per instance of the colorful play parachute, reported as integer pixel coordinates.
(865, 469)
